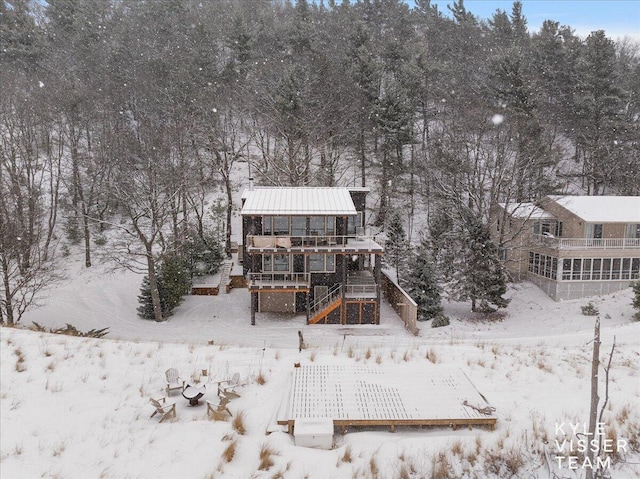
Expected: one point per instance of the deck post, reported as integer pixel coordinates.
(343, 308)
(308, 305)
(378, 274)
(254, 304)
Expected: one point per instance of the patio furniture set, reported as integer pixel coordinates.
(216, 408)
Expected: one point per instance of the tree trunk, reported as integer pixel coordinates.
(7, 290)
(362, 155)
(593, 410)
(228, 187)
(153, 285)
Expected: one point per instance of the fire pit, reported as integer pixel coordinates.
(193, 393)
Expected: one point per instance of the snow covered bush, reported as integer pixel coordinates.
(440, 320)
(589, 309)
(636, 299)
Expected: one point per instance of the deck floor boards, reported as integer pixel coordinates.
(385, 395)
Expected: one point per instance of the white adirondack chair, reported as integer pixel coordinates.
(173, 380)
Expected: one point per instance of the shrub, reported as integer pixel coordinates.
(589, 309)
(100, 240)
(439, 321)
(636, 299)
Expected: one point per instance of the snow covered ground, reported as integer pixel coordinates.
(78, 408)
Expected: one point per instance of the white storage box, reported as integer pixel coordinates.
(316, 432)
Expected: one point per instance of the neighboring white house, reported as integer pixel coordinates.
(572, 246)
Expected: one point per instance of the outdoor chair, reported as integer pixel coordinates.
(166, 410)
(228, 386)
(173, 380)
(218, 408)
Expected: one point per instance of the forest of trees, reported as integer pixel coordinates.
(125, 114)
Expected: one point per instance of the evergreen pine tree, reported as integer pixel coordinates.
(483, 275)
(145, 310)
(175, 282)
(421, 283)
(397, 246)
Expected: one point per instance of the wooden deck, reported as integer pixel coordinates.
(394, 395)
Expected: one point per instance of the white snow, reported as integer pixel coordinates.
(78, 408)
(602, 209)
(298, 201)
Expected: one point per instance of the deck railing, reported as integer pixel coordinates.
(587, 243)
(299, 242)
(361, 289)
(332, 295)
(271, 280)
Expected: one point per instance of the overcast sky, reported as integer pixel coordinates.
(616, 17)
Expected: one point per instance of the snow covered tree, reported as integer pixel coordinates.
(483, 276)
(636, 299)
(397, 246)
(421, 283)
(146, 310)
(173, 283)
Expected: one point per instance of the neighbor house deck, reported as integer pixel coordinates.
(394, 395)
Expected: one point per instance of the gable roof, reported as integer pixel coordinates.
(298, 201)
(602, 209)
(526, 210)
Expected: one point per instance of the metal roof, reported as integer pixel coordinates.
(298, 201)
(602, 209)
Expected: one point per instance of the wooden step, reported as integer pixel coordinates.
(323, 313)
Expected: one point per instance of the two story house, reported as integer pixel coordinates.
(306, 250)
(572, 246)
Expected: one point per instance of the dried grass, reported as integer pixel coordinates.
(238, 423)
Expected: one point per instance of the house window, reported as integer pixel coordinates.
(559, 229)
(281, 225)
(633, 230)
(354, 222)
(316, 225)
(547, 228)
(298, 226)
(577, 267)
(331, 226)
(586, 269)
(275, 262)
(566, 269)
(593, 231)
(325, 263)
(626, 268)
(606, 268)
(543, 265)
(597, 269)
(267, 225)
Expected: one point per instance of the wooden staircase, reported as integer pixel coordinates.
(324, 306)
(225, 280)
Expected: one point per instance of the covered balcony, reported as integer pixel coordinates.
(279, 281)
(314, 243)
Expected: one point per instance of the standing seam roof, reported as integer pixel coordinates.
(298, 201)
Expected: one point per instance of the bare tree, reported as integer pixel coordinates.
(26, 218)
(227, 144)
